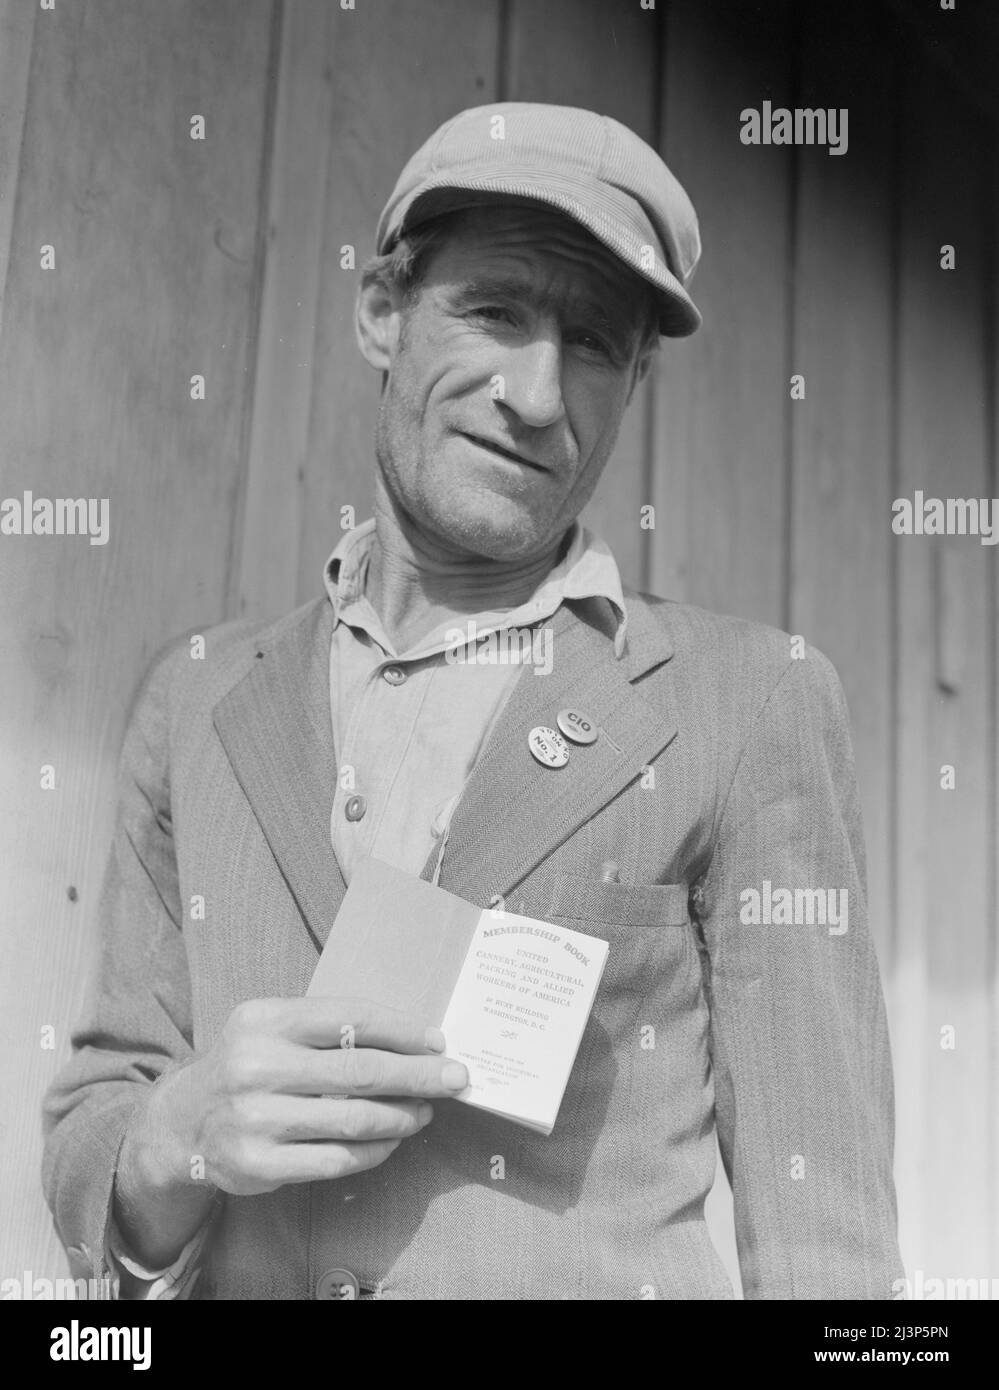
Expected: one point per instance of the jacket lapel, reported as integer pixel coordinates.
(514, 811)
(276, 729)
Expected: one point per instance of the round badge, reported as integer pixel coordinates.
(577, 726)
(548, 747)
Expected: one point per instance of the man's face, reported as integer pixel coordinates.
(507, 380)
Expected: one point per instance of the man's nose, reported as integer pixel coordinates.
(533, 380)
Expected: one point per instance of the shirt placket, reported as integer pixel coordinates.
(372, 749)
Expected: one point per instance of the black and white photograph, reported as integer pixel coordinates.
(500, 661)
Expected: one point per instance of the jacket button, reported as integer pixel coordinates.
(355, 807)
(337, 1283)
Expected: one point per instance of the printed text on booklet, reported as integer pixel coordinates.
(511, 994)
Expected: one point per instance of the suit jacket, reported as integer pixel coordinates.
(722, 762)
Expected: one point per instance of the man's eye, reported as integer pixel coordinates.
(493, 312)
(592, 342)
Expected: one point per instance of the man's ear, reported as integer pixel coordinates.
(377, 321)
(642, 367)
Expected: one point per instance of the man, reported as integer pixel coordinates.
(211, 1137)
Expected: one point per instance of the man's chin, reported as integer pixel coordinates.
(502, 529)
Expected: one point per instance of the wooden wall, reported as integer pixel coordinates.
(222, 257)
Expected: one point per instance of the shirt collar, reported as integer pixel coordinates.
(587, 570)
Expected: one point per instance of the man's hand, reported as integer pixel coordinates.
(293, 1090)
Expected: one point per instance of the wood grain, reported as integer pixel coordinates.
(275, 502)
(17, 22)
(718, 446)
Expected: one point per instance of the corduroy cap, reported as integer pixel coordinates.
(588, 167)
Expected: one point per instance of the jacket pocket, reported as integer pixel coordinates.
(652, 970)
(621, 904)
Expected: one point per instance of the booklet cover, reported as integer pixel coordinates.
(511, 994)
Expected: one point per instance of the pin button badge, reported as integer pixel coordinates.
(548, 747)
(577, 726)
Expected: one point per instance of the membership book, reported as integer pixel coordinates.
(510, 994)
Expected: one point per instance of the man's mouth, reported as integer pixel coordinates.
(501, 450)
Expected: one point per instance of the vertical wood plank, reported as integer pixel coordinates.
(391, 87)
(17, 22)
(841, 432)
(719, 403)
(268, 541)
(589, 54)
(943, 928)
(992, 648)
(154, 237)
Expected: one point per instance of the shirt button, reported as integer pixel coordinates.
(355, 807)
(395, 675)
(337, 1283)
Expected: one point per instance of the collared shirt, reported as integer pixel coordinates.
(408, 726)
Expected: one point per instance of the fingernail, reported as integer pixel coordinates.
(425, 1113)
(435, 1040)
(454, 1076)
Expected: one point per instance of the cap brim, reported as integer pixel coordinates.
(606, 217)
